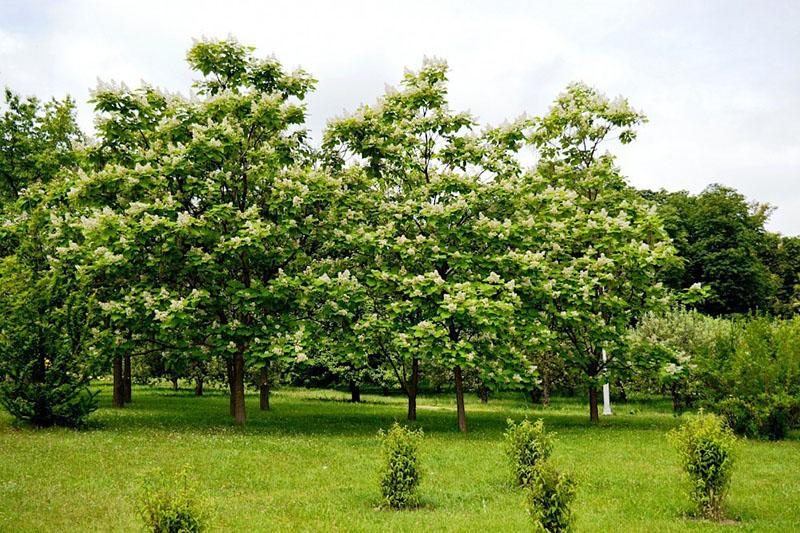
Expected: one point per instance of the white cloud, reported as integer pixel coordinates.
(719, 80)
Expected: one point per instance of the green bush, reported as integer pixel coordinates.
(705, 445)
(527, 445)
(739, 415)
(169, 505)
(399, 474)
(550, 495)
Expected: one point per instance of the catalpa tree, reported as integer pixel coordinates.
(420, 242)
(605, 248)
(214, 211)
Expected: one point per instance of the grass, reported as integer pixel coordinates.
(310, 463)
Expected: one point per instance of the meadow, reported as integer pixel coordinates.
(310, 464)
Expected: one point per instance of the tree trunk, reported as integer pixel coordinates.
(355, 392)
(118, 398)
(536, 396)
(238, 389)
(462, 415)
(483, 394)
(545, 392)
(263, 388)
(198, 386)
(386, 391)
(411, 390)
(127, 380)
(174, 380)
(231, 393)
(594, 415)
(676, 401)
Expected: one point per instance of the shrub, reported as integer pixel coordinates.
(705, 445)
(527, 444)
(739, 415)
(168, 505)
(399, 474)
(550, 496)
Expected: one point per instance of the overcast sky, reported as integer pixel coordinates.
(719, 81)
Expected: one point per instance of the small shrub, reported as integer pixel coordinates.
(550, 496)
(399, 474)
(169, 505)
(705, 445)
(768, 416)
(527, 444)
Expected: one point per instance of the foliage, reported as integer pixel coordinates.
(37, 141)
(705, 446)
(593, 246)
(168, 504)
(550, 494)
(721, 238)
(527, 446)
(400, 473)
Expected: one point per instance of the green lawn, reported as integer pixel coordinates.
(309, 465)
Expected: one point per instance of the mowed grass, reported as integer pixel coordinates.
(310, 464)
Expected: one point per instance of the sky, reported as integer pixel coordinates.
(718, 80)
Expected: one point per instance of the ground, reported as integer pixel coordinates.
(310, 463)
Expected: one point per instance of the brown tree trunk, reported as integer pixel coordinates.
(594, 415)
(231, 394)
(355, 392)
(462, 415)
(545, 392)
(174, 380)
(263, 388)
(676, 401)
(483, 394)
(118, 398)
(536, 396)
(198, 386)
(127, 380)
(238, 388)
(411, 390)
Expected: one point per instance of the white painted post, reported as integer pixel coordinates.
(606, 393)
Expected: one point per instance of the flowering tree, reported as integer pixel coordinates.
(421, 238)
(605, 246)
(211, 214)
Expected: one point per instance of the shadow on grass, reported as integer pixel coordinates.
(329, 413)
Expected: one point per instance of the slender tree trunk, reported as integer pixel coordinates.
(238, 388)
(411, 390)
(355, 392)
(118, 398)
(623, 394)
(594, 415)
(536, 396)
(676, 401)
(231, 393)
(174, 380)
(385, 391)
(462, 415)
(546, 391)
(483, 394)
(263, 388)
(127, 379)
(198, 386)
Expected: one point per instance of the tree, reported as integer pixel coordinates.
(216, 210)
(722, 240)
(423, 242)
(605, 247)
